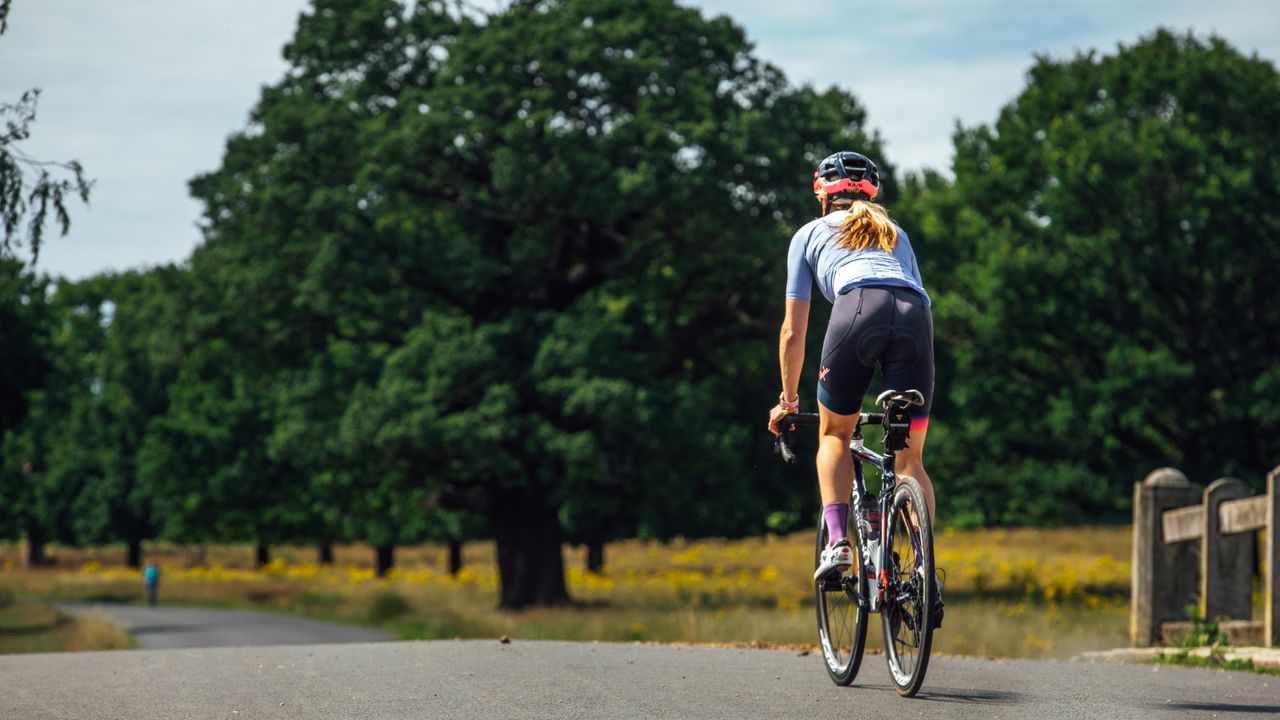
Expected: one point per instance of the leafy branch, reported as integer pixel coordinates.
(32, 189)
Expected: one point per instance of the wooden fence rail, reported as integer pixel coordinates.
(1171, 571)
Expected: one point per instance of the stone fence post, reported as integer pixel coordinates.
(1164, 580)
(1226, 561)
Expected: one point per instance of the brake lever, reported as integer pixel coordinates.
(780, 444)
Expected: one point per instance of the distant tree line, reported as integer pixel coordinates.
(520, 276)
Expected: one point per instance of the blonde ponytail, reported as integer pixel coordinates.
(868, 226)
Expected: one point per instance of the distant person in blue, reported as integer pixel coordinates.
(151, 578)
(863, 264)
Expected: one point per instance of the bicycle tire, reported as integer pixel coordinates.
(909, 600)
(842, 648)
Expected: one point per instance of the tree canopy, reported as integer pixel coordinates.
(495, 257)
(1106, 247)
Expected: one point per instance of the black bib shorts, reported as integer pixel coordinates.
(881, 324)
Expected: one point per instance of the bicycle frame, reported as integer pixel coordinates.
(871, 557)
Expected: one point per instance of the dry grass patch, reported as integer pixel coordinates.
(29, 627)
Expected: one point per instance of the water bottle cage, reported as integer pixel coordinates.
(871, 524)
(897, 428)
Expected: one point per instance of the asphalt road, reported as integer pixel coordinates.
(485, 679)
(183, 627)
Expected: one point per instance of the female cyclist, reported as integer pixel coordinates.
(863, 264)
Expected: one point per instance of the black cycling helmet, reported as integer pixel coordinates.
(846, 174)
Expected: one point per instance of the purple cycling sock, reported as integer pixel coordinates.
(836, 516)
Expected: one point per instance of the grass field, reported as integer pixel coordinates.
(28, 626)
(1010, 593)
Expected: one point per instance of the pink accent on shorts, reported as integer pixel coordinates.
(920, 424)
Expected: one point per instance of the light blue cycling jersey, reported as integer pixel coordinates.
(816, 256)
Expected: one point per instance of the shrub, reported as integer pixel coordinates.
(387, 606)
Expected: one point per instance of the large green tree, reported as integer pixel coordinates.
(605, 185)
(205, 461)
(49, 456)
(70, 468)
(293, 279)
(31, 190)
(1109, 309)
(427, 192)
(27, 366)
(126, 385)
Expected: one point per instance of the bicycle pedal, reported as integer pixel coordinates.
(833, 583)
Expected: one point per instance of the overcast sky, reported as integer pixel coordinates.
(144, 92)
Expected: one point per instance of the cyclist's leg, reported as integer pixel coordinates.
(856, 334)
(910, 462)
(835, 464)
(908, 365)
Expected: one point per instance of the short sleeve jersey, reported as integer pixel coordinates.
(815, 256)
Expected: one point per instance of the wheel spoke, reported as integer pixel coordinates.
(841, 620)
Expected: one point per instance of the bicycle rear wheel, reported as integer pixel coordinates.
(842, 621)
(908, 612)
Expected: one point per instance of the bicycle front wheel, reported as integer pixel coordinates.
(908, 612)
(842, 620)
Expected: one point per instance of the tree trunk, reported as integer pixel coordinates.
(262, 555)
(133, 554)
(526, 531)
(595, 556)
(325, 553)
(200, 555)
(385, 560)
(455, 556)
(36, 556)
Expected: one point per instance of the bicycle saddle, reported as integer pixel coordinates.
(906, 397)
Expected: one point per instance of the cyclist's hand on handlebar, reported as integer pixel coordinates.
(775, 416)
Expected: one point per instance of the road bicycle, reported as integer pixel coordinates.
(894, 578)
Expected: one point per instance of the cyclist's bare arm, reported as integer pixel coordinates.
(791, 346)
